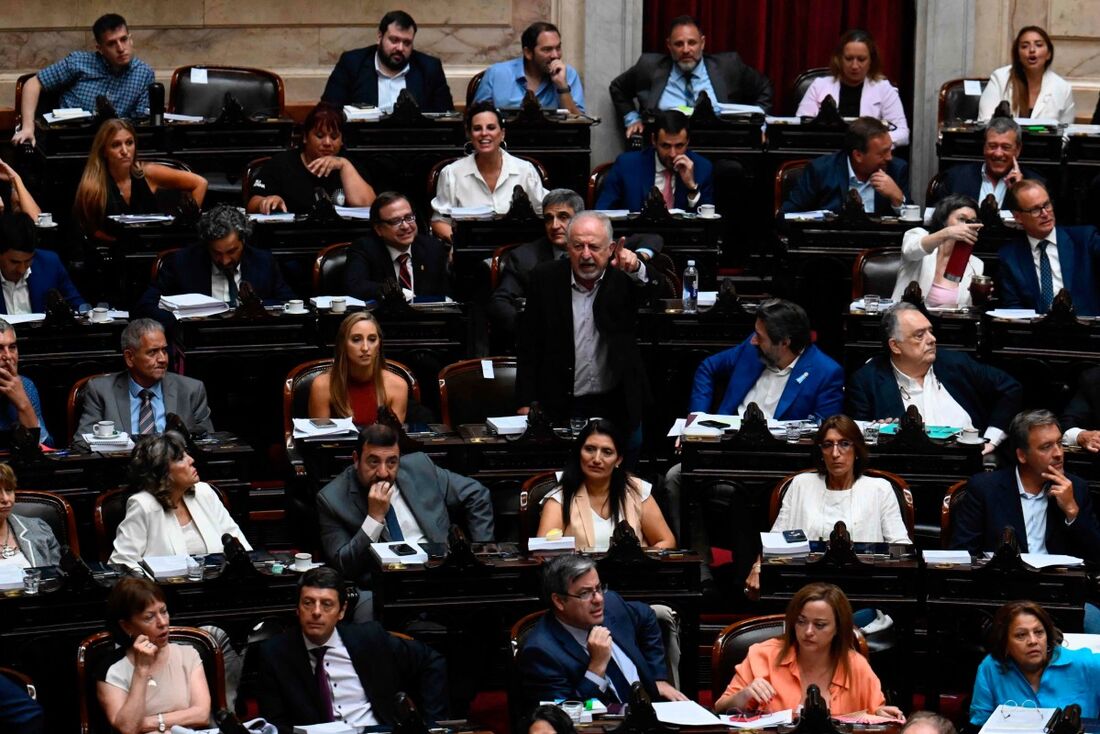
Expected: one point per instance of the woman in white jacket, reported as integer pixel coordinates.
(1028, 84)
(926, 252)
(173, 513)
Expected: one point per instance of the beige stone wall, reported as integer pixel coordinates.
(299, 40)
(1073, 25)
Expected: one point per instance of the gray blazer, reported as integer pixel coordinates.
(434, 496)
(36, 540)
(107, 398)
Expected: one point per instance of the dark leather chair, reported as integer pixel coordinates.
(935, 190)
(956, 493)
(166, 162)
(259, 91)
(530, 502)
(733, 643)
(74, 405)
(96, 650)
(900, 486)
(249, 177)
(298, 381)
(329, 269)
(465, 396)
(786, 178)
(110, 509)
(54, 509)
(433, 174)
(876, 271)
(158, 263)
(496, 264)
(47, 100)
(802, 85)
(595, 184)
(471, 87)
(955, 104)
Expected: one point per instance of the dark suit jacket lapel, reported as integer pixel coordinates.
(1065, 258)
(301, 668)
(414, 80)
(169, 388)
(886, 389)
(423, 279)
(121, 393)
(1026, 265)
(562, 293)
(368, 77)
(717, 79)
(659, 80)
(566, 641)
(1015, 511)
(800, 375)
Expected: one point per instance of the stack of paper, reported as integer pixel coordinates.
(472, 212)
(776, 544)
(192, 305)
(306, 429)
(762, 721)
(1014, 314)
(24, 318)
(11, 577)
(954, 557)
(817, 215)
(729, 108)
(507, 425)
(273, 217)
(66, 113)
(353, 212)
(565, 542)
(1019, 720)
(332, 727)
(684, 713)
(141, 218)
(615, 213)
(177, 117)
(119, 442)
(166, 567)
(355, 113)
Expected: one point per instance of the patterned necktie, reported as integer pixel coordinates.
(689, 90)
(393, 527)
(404, 273)
(1046, 279)
(321, 675)
(231, 281)
(667, 193)
(146, 424)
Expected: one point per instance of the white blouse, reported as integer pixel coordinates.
(461, 185)
(869, 509)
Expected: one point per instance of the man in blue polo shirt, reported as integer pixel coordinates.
(556, 84)
(82, 76)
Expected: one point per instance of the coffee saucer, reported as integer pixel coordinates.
(976, 442)
(296, 313)
(109, 436)
(712, 216)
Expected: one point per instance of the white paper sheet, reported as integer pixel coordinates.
(685, 713)
(972, 88)
(786, 716)
(276, 217)
(817, 215)
(354, 212)
(1013, 314)
(947, 556)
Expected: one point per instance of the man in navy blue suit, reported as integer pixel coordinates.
(29, 273)
(866, 164)
(684, 178)
(592, 643)
(375, 75)
(1048, 258)
(997, 173)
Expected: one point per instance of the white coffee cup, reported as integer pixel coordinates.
(303, 561)
(295, 305)
(338, 305)
(706, 211)
(45, 219)
(970, 435)
(910, 213)
(99, 314)
(104, 429)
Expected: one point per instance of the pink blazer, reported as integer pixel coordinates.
(879, 100)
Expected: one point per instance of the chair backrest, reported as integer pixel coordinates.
(786, 178)
(47, 99)
(260, 92)
(110, 509)
(250, 172)
(530, 502)
(94, 652)
(901, 493)
(733, 643)
(496, 264)
(328, 270)
(956, 493)
(595, 184)
(20, 679)
(74, 405)
(466, 396)
(298, 381)
(158, 263)
(54, 509)
(166, 162)
(876, 271)
(802, 85)
(471, 87)
(955, 103)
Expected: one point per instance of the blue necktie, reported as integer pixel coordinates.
(689, 91)
(1046, 279)
(621, 692)
(393, 527)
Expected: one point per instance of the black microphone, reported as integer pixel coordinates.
(228, 723)
(234, 550)
(156, 103)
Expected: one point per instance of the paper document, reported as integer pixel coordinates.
(164, 567)
(818, 215)
(11, 577)
(1018, 720)
(764, 721)
(193, 305)
(177, 117)
(685, 713)
(65, 114)
(565, 542)
(507, 425)
(141, 218)
(615, 213)
(353, 212)
(972, 87)
(776, 544)
(340, 428)
(24, 318)
(385, 553)
(730, 108)
(472, 212)
(275, 217)
(1014, 314)
(362, 114)
(959, 557)
(1049, 560)
(332, 727)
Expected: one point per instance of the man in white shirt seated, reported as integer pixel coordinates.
(948, 388)
(28, 273)
(328, 670)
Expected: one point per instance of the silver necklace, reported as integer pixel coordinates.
(7, 551)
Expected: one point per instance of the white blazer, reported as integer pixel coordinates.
(1055, 96)
(150, 530)
(874, 513)
(918, 265)
(879, 100)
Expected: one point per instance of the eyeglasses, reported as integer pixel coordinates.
(1037, 210)
(587, 594)
(398, 221)
(845, 446)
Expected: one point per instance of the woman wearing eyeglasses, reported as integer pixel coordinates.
(1027, 665)
(838, 490)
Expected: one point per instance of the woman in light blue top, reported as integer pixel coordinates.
(1027, 665)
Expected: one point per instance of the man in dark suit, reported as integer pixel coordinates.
(140, 398)
(396, 251)
(217, 266)
(1082, 412)
(384, 496)
(1032, 272)
(866, 164)
(577, 352)
(663, 81)
(997, 174)
(27, 272)
(948, 388)
(330, 670)
(375, 75)
(684, 177)
(1050, 511)
(591, 643)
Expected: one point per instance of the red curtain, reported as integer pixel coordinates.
(783, 38)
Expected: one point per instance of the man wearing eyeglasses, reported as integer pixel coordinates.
(1034, 268)
(330, 670)
(396, 251)
(591, 643)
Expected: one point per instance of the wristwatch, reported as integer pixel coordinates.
(160, 723)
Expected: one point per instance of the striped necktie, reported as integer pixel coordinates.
(405, 273)
(146, 424)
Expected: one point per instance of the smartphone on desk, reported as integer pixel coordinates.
(710, 423)
(403, 549)
(322, 422)
(794, 536)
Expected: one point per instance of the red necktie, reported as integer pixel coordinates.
(668, 189)
(405, 273)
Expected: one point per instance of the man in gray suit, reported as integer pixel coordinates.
(663, 81)
(385, 497)
(140, 398)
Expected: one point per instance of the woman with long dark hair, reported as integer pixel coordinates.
(1028, 84)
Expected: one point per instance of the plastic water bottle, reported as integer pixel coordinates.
(691, 287)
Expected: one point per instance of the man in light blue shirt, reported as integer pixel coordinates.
(555, 84)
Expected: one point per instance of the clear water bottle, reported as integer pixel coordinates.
(691, 288)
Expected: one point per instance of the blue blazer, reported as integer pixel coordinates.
(966, 178)
(992, 502)
(552, 665)
(1079, 258)
(631, 177)
(816, 387)
(355, 80)
(991, 397)
(824, 185)
(48, 272)
(18, 711)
